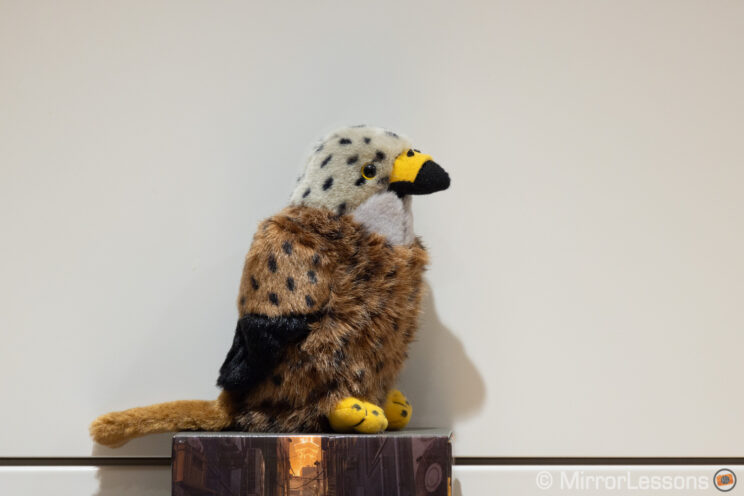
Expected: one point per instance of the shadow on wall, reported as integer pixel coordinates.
(142, 480)
(137, 480)
(456, 487)
(157, 445)
(439, 378)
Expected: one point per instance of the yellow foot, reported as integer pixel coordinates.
(397, 410)
(352, 414)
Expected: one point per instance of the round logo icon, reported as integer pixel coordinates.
(724, 480)
(544, 479)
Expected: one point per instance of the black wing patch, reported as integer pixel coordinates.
(258, 347)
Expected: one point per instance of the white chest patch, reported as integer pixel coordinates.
(388, 215)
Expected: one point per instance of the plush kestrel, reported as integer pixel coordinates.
(329, 302)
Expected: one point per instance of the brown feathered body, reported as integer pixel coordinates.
(365, 295)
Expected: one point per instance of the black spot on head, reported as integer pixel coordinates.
(342, 209)
(328, 183)
(390, 133)
(417, 151)
(276, 379)
(379, 366)
(274, 299)
(379, 155)
(352, 160)
(242, 301)
(290, 283)
(384, 181)
(316, 259)
(404, 413)
(287, 247)
(360, 125)
(344, 141)
(325, 162)
(272, 263)
(309, 300)
(360, 181)
(254, 283)
(367, 140)
(307, 192)
(320, 148)
(312, 276)
(409, 153)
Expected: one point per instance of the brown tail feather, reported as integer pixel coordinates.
(116, 428)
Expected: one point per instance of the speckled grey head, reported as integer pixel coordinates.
(348, 167)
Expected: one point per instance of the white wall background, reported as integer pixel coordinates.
(587, 276)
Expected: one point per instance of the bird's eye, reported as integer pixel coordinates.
(369, 171)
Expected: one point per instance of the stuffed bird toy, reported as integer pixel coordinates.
(328, 304)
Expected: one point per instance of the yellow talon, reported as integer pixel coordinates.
(374, 422)
(397, 410)
(352, 414)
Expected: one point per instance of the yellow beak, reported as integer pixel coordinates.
(415, 173)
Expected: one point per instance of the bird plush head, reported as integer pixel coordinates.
(328, 302)
(355, 163)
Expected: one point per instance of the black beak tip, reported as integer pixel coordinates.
(432, 178)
